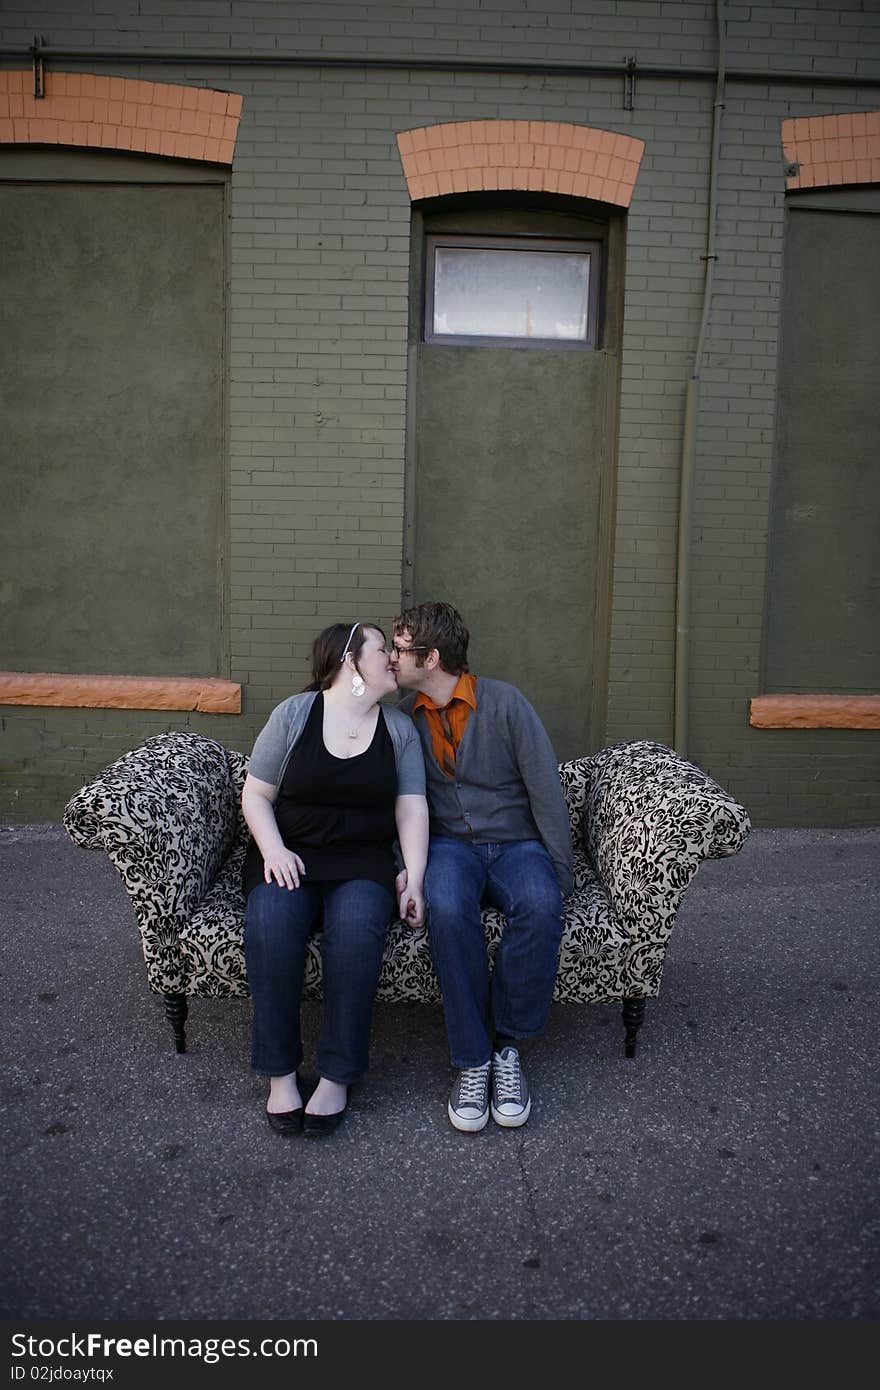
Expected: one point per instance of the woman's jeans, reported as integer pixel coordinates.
(518, 878)
(355, 915)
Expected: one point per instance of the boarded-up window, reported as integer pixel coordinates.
(111, 376)
(823, 625)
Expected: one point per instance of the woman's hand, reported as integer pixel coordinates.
(280, 864)
(411, 815)
(410, 901)
(283, 867)
(412, 908)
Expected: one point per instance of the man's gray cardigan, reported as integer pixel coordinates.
(506, 784)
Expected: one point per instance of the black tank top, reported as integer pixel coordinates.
(337, 814)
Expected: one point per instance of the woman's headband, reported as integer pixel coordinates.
(348, 643)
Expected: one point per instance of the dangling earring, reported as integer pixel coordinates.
(357, 685)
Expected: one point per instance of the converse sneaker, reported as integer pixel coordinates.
(469, 1099)
(510, 1090)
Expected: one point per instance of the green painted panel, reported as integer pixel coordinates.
(111, 363)
(823, 631)
(510, 447)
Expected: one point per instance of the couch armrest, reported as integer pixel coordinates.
(167, 814)
(576, 778)
(652, 818)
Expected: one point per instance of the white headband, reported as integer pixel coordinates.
(348, 643)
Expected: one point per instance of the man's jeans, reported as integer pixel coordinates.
(355, 915)
(517, 878)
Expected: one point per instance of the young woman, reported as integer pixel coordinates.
(334, 779)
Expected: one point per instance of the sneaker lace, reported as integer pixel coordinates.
(472, 1085)
(506, 1076)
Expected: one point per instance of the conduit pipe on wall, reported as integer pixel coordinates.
(221, 57)
(689, 431)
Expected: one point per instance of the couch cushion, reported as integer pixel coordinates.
(211, 944)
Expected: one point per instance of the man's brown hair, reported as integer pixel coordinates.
(436, 625)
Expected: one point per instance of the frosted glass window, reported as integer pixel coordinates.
(491, 292)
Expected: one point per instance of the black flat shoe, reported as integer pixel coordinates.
(319, 1126)
(291, 1121)
(286, 1121)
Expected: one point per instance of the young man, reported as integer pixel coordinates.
(499, 836)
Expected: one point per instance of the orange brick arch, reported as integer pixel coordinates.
(120, 113)
(833, 150)
(540, 156)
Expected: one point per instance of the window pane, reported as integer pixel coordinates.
(511, 293)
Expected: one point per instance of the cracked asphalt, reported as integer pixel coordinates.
(729, 1171)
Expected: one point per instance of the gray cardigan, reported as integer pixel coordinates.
(506, 783)
(285, 724)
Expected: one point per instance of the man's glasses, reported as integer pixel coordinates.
(399, 651)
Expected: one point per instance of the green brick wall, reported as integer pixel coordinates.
(320, 247)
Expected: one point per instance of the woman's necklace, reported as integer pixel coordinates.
(346, 718)
(354, 729)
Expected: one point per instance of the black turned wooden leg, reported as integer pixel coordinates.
(633, 1014)
(176, 1009)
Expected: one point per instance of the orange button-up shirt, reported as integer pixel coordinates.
(446, 723)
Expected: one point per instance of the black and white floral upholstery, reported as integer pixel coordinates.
(169, 816)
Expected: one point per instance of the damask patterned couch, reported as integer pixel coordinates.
(169, 816)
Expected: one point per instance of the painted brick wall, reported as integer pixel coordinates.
(795, 777)
(319, 266)
(320, 256)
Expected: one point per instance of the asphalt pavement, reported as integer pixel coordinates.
(729, 1171)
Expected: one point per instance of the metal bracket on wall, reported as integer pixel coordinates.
(36, 51)
(629, 83)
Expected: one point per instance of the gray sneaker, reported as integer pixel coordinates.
(468, 1107)
(511, 1103)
